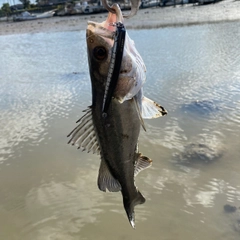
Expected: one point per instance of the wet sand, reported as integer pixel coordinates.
(157, 17)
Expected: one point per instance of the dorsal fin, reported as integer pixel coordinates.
(151, 109)
(105, 179)
(84, 135)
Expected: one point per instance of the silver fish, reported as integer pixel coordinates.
(115, 137)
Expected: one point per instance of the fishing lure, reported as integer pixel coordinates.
(115, 65)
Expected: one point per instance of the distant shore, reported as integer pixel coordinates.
(157, 17)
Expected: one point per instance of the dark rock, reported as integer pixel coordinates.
(204, 107)
(198, 153)
(229, 209)
(237, 226)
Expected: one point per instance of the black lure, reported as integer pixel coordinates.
(115, 65)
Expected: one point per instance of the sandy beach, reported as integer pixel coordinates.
(157, 17)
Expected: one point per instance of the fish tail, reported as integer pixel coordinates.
(130, 203)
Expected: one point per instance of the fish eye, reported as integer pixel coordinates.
(100, 53)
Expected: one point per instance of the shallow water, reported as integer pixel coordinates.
(48, 189)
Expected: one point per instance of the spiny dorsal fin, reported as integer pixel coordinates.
(84, 134)
(142, 163)
(105, 179)
(151, 109)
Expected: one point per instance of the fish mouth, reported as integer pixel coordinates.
(109, 24)
(114, 17)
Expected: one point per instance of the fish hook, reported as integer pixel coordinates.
(134, 7)
(110, 9)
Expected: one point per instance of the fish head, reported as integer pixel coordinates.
(99, 44)
(100, 41)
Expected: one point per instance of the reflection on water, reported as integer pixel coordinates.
(48, 189)
(37, 87)
(68, 206)
(195, 193)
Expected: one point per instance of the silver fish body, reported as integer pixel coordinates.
(115, 136)
(118, 133)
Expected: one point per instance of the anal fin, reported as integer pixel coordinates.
(142, 163)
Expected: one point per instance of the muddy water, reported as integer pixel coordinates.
(48, 189)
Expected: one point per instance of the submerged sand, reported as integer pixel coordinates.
(156, 17)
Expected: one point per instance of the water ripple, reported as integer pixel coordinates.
(60, 209)
(44, 84)
(38, 89)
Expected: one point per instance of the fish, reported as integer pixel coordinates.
(115, 136)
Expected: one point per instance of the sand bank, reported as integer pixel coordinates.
(227, 10)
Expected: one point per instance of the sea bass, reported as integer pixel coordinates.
(115, 136)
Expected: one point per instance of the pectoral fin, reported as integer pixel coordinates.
(151, 109)
(84, 134)
(139, 112)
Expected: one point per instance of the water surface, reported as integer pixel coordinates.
(48, 189)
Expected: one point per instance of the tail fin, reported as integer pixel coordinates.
(130, 203)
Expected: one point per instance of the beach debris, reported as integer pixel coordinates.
(201, 107)
(203, 149)
(229, 208)
(234, 216)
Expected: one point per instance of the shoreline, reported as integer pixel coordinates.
(157, 17)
